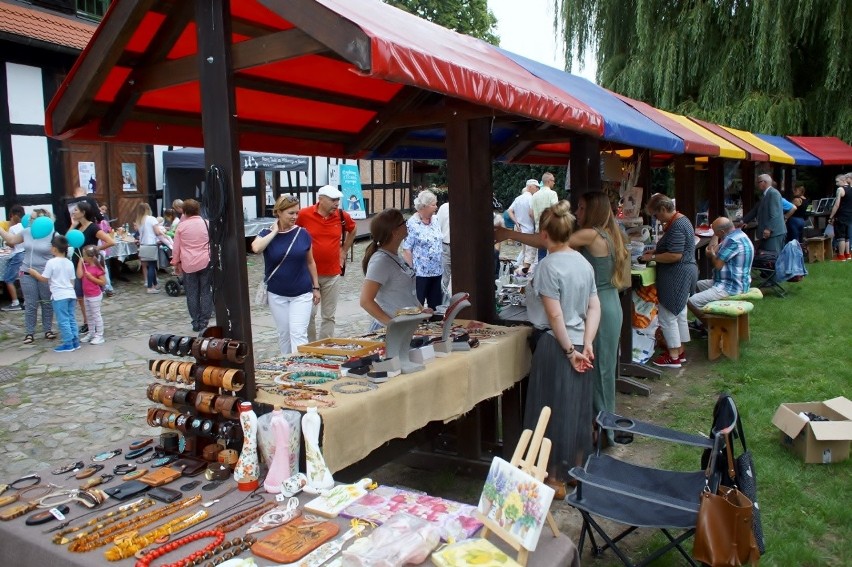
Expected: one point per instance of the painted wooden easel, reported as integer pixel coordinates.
(531, 456)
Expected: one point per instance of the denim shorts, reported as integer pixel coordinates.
(13, 267)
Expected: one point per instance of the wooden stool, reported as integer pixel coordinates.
(727, 326)
(819, 248)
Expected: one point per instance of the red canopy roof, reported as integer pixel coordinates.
(830, 150)
(326, 77)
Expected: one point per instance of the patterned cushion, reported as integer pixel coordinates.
(728, 307)
(752, 294)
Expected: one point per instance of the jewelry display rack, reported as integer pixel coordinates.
(400, 330)
(446, 345)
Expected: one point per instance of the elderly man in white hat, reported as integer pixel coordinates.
(521, 213)
(332, 231)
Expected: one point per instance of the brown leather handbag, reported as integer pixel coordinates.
(723, 532)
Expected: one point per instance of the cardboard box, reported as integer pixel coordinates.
(816, 441)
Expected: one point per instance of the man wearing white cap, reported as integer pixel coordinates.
(332, 232)
(543, 199)
(520, 211)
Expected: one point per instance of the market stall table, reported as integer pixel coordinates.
(29, 546)
(445, 390)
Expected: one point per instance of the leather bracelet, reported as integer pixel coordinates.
(204, 401)
(222, 404)
(228, 457)
(169, 441)
(181, 423)
(237, 351)
(233, 409)
(206, 376)
(195, 348)
(211, 452)
(152, 412)
(173, 371)
(152, 342)
(234, 380)
(205, 344)
(162, 343)
(206, 427)
(172, 345)
(168, 395)
(180, 397)
(184, 346)
(195, 424)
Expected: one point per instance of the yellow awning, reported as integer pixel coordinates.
(775, 154)
(726, 149)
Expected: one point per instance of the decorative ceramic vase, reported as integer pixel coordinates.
(247, 466)
(319, 477)
(279, 468)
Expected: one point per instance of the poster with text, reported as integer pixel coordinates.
(128, 176)
(86, 172)
(350, 185)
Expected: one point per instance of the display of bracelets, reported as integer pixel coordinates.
(212, 349)
(178, 345)
(299, 396)
(173, 370)
(232, 379)
(305, 376)
(353, 387)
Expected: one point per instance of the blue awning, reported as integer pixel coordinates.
(622, 123)
(801, 156)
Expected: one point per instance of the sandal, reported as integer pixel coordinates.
(29, 339)
(50, 335)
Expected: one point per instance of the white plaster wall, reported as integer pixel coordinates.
(26, 97)
(31, 163)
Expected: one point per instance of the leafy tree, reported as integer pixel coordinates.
(773, 66)
(470, 17)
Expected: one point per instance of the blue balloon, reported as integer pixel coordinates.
(75, 238)
(25, 220)
(41, 227)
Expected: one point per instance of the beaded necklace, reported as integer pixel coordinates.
(243, 518)
(102, 537)
(311, 376)
(100, 522)
(211, 552)
(129, 543)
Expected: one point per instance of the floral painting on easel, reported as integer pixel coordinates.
(515, 501)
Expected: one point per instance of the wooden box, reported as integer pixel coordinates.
(341, 347)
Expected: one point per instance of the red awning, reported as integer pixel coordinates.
(830, 150)
(322, 77)
(755, 154)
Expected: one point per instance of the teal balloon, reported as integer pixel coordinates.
(41, 227)
(75, 238)
(25, 220)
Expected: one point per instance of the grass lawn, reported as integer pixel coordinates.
(800, 351)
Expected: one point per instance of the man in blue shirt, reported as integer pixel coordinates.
(731, 252)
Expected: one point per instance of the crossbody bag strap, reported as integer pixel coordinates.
(287, 253)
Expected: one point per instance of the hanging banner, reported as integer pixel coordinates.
(350, 185)
(128, 177)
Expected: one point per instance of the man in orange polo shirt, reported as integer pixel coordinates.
(332, 232)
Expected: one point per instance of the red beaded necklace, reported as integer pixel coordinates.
(219, 536)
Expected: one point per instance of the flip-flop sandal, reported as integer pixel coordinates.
(29, 339)
(50, 335)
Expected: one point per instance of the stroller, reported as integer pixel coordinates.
(173, 285)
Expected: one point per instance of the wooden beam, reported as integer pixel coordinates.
(685, 185)
(218, 113)
(307, 93)
(272, 48)
(374, 133)
(127, 97)
(471, 219)
(522, 142)
(439, 114)
(323, 24)
(585, 167)
(102, 54)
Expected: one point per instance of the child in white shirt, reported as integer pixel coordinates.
(59, 273)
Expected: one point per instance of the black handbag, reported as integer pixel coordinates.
(746, 478)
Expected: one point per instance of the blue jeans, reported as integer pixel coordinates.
(65, 319)
(150, 274)
(795, 228)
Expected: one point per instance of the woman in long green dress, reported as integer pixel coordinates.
(601, 242)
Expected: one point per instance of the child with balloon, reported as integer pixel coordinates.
(59, 273)
(35, 238)
(91, 273)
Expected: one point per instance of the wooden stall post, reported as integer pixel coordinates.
(715, 188)
(585, 167)
(218, 112)
(685, 185)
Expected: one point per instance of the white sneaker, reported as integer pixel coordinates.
(98, 341)
(86, 338)
(153, 290)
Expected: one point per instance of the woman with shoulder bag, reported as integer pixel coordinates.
(290, 274)
(149, 245)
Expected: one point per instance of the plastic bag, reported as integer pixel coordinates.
(829, 230)
(402, 539)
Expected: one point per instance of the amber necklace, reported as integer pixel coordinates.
(100, 522)
(103, 537)
(129, 543)
(243, 518)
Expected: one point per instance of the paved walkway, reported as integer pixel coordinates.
(55, 406)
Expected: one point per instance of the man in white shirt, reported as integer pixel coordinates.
(520, 211)
(543, 199)
(443, 216)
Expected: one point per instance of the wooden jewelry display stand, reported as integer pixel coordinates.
(457, 302)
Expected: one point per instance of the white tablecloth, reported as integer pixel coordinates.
(122, 250)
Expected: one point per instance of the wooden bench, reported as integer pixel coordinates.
(819, 249)
(727, 326)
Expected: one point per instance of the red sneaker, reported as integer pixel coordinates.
(839, 258)
(847, 256)
(667, 361)
(682, 358)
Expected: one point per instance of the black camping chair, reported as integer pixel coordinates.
(643, 497)
(764, 273)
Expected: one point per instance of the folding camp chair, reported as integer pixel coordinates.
(643, 497)
(764, 273)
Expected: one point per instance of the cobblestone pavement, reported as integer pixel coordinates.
(58, 406)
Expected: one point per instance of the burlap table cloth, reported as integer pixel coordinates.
(447, 388)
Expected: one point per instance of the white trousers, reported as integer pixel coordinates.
(291, 316)
(674, 327)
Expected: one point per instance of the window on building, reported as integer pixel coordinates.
(94, 9)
